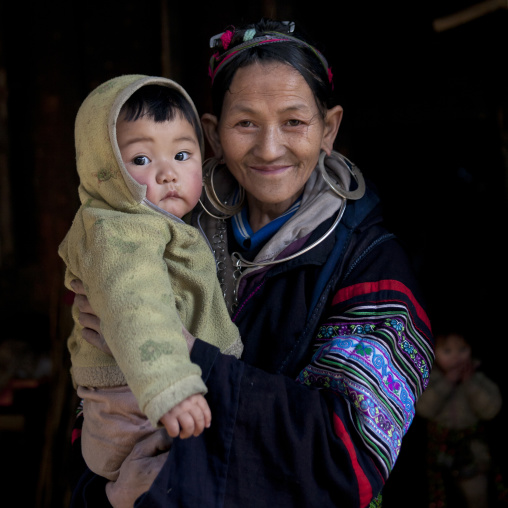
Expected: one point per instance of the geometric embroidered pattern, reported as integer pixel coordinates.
(376, 359)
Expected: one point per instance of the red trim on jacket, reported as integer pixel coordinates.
(364, 486)
(382, 285)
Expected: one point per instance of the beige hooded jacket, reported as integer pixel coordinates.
(145, 271)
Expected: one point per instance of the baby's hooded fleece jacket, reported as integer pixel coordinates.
(145, 271)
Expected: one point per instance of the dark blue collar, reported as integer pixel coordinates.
(249, 240)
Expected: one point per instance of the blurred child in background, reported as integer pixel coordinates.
(458, 399)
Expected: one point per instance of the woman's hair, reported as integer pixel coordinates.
(161, 104)
(303, 57)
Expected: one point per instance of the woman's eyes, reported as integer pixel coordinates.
(141, 160)
(290, 123)
(182, 156)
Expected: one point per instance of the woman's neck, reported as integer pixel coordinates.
(260, 214)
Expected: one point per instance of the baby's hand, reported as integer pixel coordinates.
(189, 418)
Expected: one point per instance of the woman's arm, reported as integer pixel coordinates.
(92, 332)
(143, 463)
(137, 473)
(331, 437)
(88, 319)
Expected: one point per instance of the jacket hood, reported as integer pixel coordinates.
(103, 175)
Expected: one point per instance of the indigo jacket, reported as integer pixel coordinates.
(337, 350)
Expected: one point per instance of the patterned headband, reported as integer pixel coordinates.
(218, 62)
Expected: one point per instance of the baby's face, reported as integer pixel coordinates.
(164, 156)
(452, 351)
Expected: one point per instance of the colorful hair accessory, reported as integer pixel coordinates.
(214, 39)
(330, 76)
(249, 34)
(290, 25)
(218, 62)
(226, 38)
(216, 56)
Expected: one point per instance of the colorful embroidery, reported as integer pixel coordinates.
(377, 502)
(370, 356)
(406, 346)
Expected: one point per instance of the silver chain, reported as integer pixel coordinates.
(219, 245)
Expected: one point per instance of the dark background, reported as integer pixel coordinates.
(424, 119)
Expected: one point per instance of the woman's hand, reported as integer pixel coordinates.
(88, 319)
(139, 469)
(190, 339)
(92, 324)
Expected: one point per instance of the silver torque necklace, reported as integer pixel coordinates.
(219, 249)
(238, 260)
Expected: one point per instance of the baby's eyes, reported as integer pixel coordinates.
(142, 160)
(182, 156)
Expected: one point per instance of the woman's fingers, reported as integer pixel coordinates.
(152, 445)
(88, 319)
(139, 469)
(96, 339)
(81, 301)
(190, 339)
(77, 287)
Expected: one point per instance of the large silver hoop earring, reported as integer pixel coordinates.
(226, 210)
(335, 161)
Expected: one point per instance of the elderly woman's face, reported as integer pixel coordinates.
(271, 132)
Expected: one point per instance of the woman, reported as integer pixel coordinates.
(337, 344)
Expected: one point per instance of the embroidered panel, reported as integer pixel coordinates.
(376, 359)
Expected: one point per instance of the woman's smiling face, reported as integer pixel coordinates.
(271, 132)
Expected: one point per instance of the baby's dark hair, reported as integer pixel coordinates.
(161, 104)
(300, 57)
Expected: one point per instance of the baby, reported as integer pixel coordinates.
(148, 274)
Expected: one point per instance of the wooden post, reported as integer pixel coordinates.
(469, 14)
